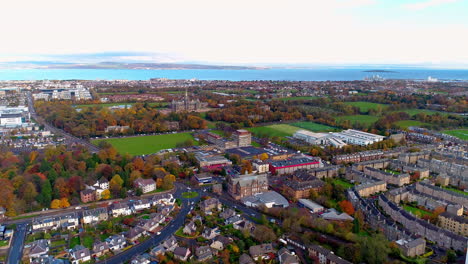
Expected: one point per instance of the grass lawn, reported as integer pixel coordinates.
(189, 195)
(74, 241)
(57, 243)
(415, 111)
(459, 133)
(416, 211)
(281, 130)
(362, 119)
(3, 243)
(217, 132)
(299, 98)
(88, 242)
(313, 126)
(343, 183)
(408, 123)
(147, 144)
(454, 190)
(180, 233)
(364, 107)
(24, 217)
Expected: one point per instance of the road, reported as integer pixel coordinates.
(173, 226)
(69, 139)
(16, 249)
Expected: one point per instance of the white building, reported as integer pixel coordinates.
(311, 137)
(11, 120)
(356, 137)
(146, 185)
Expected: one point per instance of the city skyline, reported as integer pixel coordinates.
(430, 33)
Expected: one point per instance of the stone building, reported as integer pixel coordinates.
(455, 223)
(240, 186)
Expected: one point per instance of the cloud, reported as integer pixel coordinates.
(427, 4)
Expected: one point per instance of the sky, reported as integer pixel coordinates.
(262, 32)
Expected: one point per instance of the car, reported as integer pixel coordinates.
(158, 233)
(77, 208)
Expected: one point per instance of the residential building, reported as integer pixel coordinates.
(38, 248)
(141, 204)
(203, 253)
(285, 257)
(116, 242)
(79, 254)
(146, 185)
(87, 195)
(412, 248)
(100, 248)
(262, 252)
(325, 256)
(120, 209)
(190, 228)
(455, 223)
(210, 204)
(170, 244)
(371, 187)
(94, 216)
(210, 233)
(135, 233)
(299, 190)
(182, 253)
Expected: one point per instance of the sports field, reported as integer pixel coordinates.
(459, 133)
(147, 144)
(299, 98)
(362, 119)
(120, 103)
(364, 107)
(281, 130)
(313, 126)
(408, 123)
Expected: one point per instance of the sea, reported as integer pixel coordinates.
(316, 74)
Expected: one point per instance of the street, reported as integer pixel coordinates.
(169, 230)
(16, 249)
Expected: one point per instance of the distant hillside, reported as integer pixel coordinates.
(120, 65)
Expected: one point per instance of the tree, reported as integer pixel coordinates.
(168, 182)
(264, 234)
(45, 197)
(263, 156)
(61, 187)
(347, 207)
(116, 183)
(106, 195)
(64, 203)
(28, 192)
(55, 204)
(375, 249)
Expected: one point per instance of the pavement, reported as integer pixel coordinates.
(16, 248)
(70, 139)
